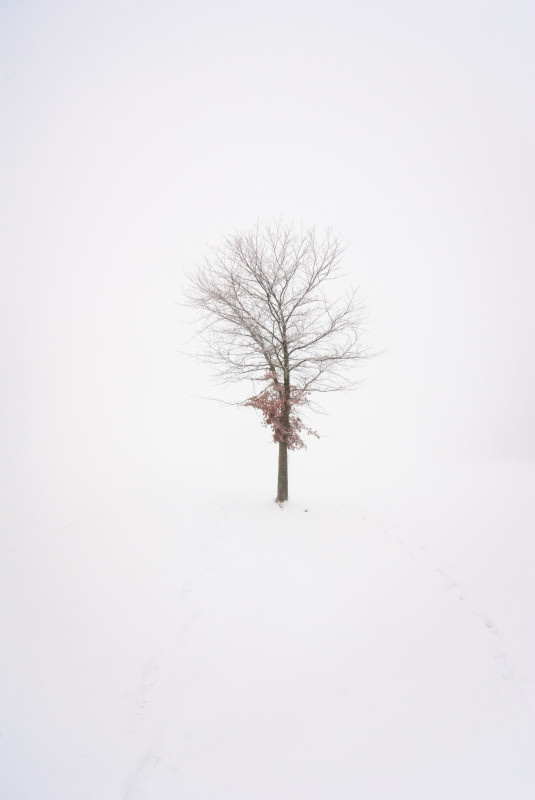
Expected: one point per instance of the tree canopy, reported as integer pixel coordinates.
(264, 307)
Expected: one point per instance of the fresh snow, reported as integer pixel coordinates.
(374, 643)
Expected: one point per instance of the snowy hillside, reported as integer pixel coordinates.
(220, 647)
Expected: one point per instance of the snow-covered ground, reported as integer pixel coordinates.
(372, 642)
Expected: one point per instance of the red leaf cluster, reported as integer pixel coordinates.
(278, 412)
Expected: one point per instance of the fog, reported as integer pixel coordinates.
(166, 629)
(134, 135)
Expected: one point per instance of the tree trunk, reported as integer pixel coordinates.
(282, 483)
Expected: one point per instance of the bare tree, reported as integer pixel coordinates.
(266, 314)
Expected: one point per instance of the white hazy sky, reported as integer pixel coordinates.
(133, 133)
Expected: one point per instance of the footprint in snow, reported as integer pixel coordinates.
(141, 697)
(504, 666)
(445, 570)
